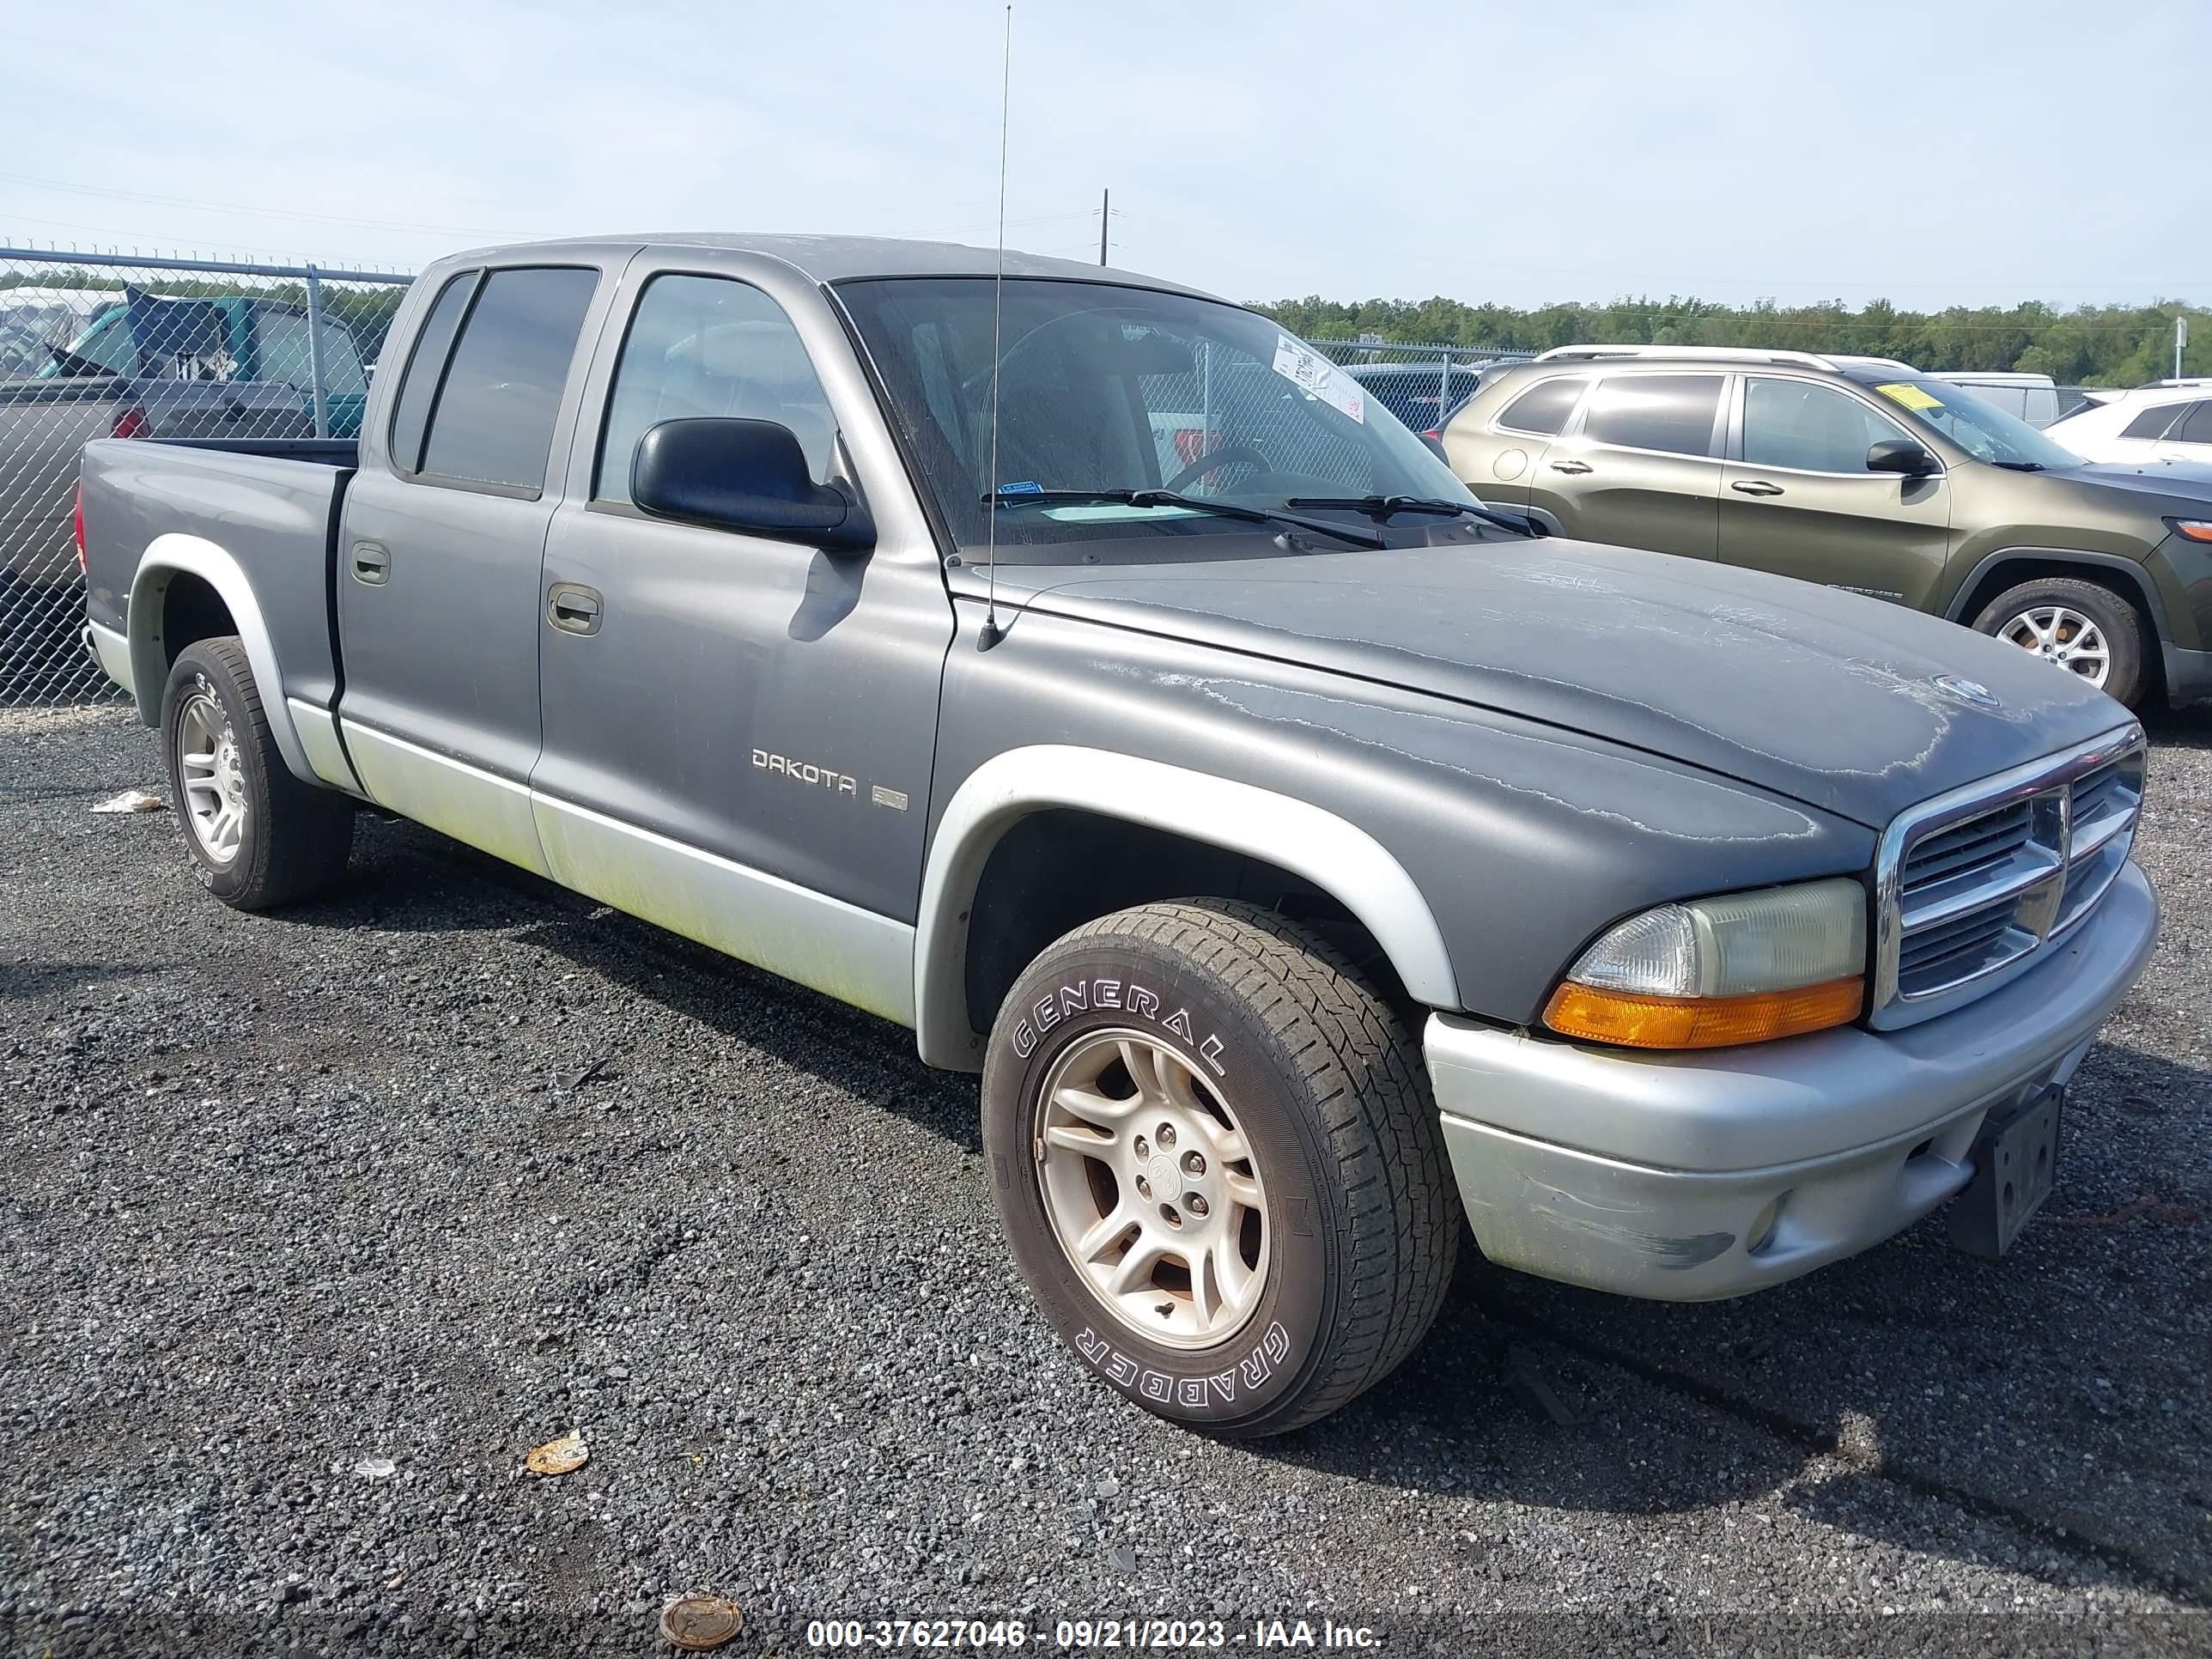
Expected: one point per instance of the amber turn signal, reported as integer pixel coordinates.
(1637, 1021)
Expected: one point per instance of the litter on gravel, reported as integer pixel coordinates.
(557, 1456)
(376, 1468)
(696, 1623)
(131, 800)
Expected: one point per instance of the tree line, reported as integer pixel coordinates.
(2088, 345)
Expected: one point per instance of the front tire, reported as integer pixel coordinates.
(259, 837)
(1218, 1164)
(2081, 627)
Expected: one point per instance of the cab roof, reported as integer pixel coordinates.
(846, 258)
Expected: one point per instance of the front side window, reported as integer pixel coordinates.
(710, 346)
(492, 422)
(1108, 390)
(1669, 412)
(1813, 429)
(1543, 409)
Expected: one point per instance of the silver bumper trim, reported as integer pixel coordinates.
(1651, 1175)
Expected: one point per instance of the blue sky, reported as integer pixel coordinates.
(1936, 153)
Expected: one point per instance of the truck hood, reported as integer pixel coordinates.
(1833, 700)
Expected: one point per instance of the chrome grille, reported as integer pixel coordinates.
(1972, 884)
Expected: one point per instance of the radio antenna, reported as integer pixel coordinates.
(992, 632)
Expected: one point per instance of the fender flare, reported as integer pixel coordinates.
(2137, 578)
(1308, 840)
(177, 554)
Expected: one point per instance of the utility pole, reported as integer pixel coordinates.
(2180, 339)
(1106, 212)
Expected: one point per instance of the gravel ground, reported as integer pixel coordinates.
(456, 1163)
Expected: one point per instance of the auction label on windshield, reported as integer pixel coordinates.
(1315, 375)
(1910, 396)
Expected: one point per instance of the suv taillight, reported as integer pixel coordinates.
(76, 520)
(129, 424)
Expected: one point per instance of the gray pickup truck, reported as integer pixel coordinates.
(1311, 862)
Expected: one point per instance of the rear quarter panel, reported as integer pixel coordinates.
(271, 516)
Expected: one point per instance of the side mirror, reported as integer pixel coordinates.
(1900, 455)
(744, 475)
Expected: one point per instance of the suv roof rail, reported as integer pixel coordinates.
(1722, 354)
(2186, 380)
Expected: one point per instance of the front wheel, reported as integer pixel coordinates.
(1218, 1164)
(2082, 627)
(259, 837)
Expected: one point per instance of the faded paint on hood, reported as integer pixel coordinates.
(1825, 697)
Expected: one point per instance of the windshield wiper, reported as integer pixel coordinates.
(2021, 466)
(1195, 503)
(1383, 506)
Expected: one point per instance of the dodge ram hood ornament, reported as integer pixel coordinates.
(1967, 691)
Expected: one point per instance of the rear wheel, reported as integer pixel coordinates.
(2083, 628)
(257, 837)
(1218, 1164)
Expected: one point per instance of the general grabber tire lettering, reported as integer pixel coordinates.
(257, 837)
(1218, 1164)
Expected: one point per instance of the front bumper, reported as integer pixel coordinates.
(1687, 1177)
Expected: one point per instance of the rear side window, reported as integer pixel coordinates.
(710, 346)
(2153, 422)
(418, 390)
(1543, 408)
(1669, 412)
(493, 421)
(2196, 429)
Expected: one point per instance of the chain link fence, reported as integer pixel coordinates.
(107, 346)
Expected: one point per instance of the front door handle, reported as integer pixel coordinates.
(572, 608)
(1755, 487)
(371, 564)
(1571, 467)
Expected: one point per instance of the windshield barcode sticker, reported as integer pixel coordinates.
(1317, 377)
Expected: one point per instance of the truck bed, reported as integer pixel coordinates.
(271, 503)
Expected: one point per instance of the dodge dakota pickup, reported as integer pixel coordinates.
(1080, 671)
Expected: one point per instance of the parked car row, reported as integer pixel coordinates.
(1312, 861)
(1860, 473)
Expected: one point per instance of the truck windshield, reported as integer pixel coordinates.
(1113, 390)
(1979, 426)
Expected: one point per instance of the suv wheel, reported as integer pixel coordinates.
(2083, 628)
(257, 837)
(1218, 1164)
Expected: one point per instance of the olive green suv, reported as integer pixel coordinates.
(1860, 473)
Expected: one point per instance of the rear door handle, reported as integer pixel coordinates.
(1571, 467)
(1756, 487)
(371, 564)
(572, 608)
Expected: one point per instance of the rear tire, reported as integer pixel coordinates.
(2075, 625)
(257, 837)
(1257, 1120)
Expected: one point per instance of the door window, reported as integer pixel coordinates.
(1673, 413)
(1813, 429)
(493, 419)
(2195, 428)
(2154, 421)
(710, 346)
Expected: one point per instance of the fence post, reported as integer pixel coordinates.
(315, 353)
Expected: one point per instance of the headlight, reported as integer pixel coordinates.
(1742, 968)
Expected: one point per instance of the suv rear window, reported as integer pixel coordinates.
(1669, 412)
(2154, 422)
(2197, 428)
(1543, 408)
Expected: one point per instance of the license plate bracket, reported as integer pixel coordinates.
(2015, 1167)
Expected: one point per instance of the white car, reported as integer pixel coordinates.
(2030, 397)
(2169, 422)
